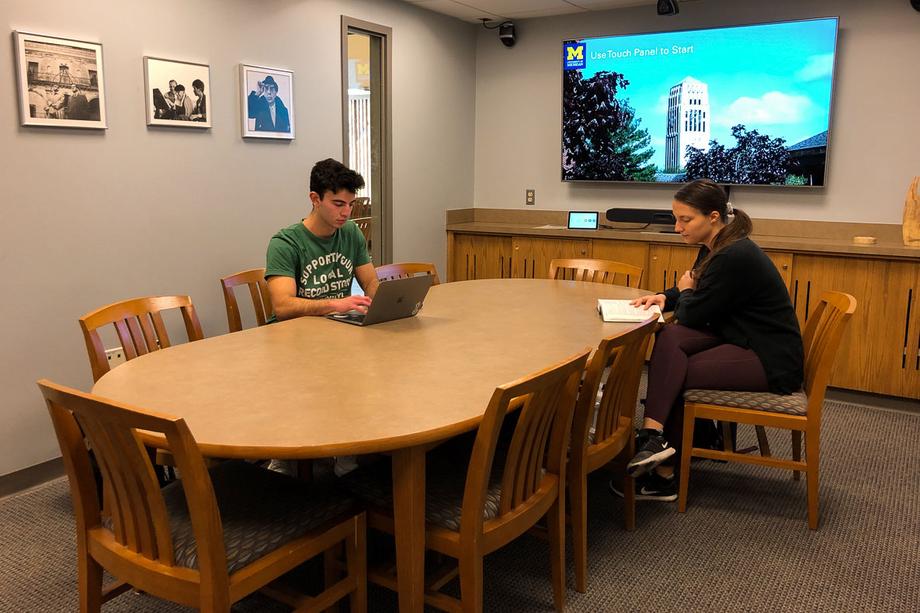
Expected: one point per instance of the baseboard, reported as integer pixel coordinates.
(31, 476)
(894, 403)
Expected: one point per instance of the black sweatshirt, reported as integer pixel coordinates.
(741, 297)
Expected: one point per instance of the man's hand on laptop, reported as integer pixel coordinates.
(352, 303)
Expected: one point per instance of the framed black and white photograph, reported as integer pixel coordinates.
(267, 102)
(60, 82)
(178, 93)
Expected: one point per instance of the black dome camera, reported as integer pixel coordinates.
(506, 34)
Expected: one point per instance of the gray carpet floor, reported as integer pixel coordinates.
(743, 545)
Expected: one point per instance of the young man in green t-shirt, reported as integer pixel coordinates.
(310, 265)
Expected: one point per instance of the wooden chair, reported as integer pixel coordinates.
(604, 429)
(209, 539)
(799, 412)
(407, 269)
(477, 506)
(139, 327)
(258, 290)
(596, 271)
(361, 215)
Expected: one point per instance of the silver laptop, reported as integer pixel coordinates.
(395, 299)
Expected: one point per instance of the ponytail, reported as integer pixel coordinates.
(707, 196)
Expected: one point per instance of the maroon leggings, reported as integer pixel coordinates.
(684, 358)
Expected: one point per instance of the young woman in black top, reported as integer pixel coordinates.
(736, 329)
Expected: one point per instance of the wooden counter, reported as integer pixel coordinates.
(881, 351)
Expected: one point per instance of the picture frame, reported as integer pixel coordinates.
(266, 102)
(178, 93)
(61, 81)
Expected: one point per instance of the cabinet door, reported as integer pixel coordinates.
(477, 256)
(902, 306)
(783, 263)
(531, 256)
(873, 348)
(667, 263)
(628, 252)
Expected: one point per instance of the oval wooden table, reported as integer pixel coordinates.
(312, 387)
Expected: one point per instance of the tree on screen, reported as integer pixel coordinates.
(601, 136)
(755, 159)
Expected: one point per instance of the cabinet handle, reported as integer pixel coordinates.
(785, 266)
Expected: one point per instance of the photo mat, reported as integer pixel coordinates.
(178, 93)
(266, 102)
(61, 82)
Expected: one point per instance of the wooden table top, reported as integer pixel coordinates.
(312, 387)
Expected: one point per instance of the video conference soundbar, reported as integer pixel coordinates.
(646, 216)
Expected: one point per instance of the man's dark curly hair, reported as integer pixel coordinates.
(331, 176)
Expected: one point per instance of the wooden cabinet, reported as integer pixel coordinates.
(531, 256)
(473, 256)
(880, 350)
(667, 263)
(783, 263)
(628, 252)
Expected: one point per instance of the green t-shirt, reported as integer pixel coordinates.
(322, 267)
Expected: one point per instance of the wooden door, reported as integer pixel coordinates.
(531, 256)
(478, 256)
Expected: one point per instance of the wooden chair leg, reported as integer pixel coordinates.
(629, 490)
(727, 439)
(686, 453)
(796, 451)
(811, 476)
(555, 523)
(356, 561)
(762, 441)
(578, 499)
(331, 570)
(471, 589)
(89, 577)
(629, 501)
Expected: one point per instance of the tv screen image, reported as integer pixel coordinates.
(745, 105)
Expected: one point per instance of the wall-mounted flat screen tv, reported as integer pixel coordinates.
(746, 105)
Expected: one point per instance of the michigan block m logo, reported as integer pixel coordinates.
(575, 53)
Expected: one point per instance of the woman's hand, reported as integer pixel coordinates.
(686, 281)
(647, 301)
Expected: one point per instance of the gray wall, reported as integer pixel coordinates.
(874, 124)
(94, 217)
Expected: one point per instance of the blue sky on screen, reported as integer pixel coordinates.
(775, 78)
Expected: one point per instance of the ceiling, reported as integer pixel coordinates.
(476, 10)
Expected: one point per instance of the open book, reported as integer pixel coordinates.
(621, 310)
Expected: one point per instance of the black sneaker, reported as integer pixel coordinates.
(653, 450)
(651, 486)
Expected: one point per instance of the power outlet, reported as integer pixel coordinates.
(530, 197)
(115, 356)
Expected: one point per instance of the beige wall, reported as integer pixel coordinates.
(874, 124)
(92, 217)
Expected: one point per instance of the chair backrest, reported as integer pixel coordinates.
(596, 271)
(535, 459)
(361, 207)
(361, 214)
(139, 327)
(139, 520)
(407, 269)
(622, 357)
(821, 339)
(258, 291)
